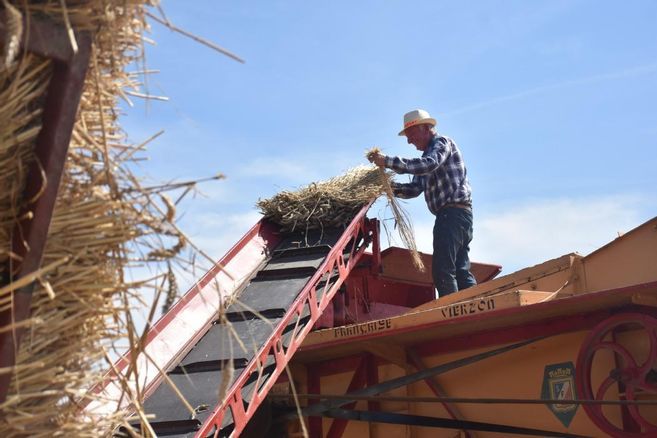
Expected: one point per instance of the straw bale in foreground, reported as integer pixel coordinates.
(104, 222)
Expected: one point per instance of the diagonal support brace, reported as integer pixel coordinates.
(412, 378)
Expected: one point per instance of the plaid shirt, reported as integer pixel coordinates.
(440, 173)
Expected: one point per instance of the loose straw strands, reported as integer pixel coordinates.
(164, 21)
(103, 224)
(402, 220)
(325, 204)
(13, 34)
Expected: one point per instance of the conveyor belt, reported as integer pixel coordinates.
(259, 327)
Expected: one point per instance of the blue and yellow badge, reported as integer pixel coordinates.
(559, 384)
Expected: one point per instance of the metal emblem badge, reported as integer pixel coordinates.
(559, 384)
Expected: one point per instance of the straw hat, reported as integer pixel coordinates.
(417, 117)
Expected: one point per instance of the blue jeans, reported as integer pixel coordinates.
(452, 234)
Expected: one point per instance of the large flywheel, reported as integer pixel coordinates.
(618, 361)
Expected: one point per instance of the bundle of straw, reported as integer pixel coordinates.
(324, 204)
(402, 220)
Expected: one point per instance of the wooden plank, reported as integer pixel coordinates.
(397, 264)
(417, 328)
(507, 282)
(626, 260)
(528, 297)
(452, 311)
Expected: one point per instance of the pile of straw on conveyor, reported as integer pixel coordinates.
(104, 221)
(335, 202)
(324, 204)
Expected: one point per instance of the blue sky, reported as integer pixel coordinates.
(553, 104)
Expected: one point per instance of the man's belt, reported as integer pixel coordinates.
(457, 205)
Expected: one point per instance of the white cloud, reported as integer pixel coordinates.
(280, 168)
(216, 233)
(531, 232)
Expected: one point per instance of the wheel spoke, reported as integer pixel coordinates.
(636, 415)
(620, 350)
(602, 390)
(649, 387)
(652, 355)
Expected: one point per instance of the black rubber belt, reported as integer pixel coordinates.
(446, 423)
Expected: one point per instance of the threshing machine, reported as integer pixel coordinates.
(327, 327)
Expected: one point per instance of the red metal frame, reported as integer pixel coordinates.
(342, 258)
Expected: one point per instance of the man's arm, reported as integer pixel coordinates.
(400, 190)
(406, 191)
(423, 165)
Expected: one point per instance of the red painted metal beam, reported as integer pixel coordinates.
(314, 387)
(336, 365)
(60, 109)
(358, 381)
(372, 379)
(435, 387)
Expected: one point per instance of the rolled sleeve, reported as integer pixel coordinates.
(414, 166)
(406, 191)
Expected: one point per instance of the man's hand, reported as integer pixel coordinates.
(377, 158)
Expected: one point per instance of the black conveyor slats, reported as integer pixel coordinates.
(169, 429)
(219, 343)
(198, 376)
(312, 238)
(285, 273)
(199, 389)
(245, 315)
(209, 365)
(298, 258)
(268, 294)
